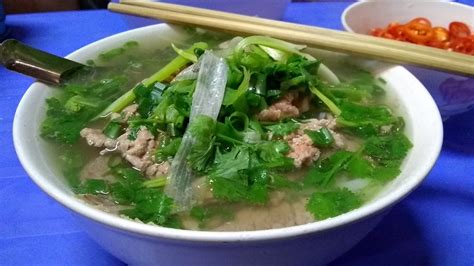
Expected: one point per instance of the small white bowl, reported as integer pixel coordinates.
(453, 94)
(310, 244)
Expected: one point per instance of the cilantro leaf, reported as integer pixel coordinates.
(386, 153)
(205, 213)
(283, 129)
(202, 129)
(271, 154)
(359, 115)
(258, 179)
(62, 126)
(279, 181)
(167, 149)
(230, 163)
(325, 170)
(148, 204)
(229, 189)
(391, 147)
(329, 204)
(360, 167)
(69, 113)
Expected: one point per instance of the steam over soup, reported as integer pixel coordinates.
(244, 134)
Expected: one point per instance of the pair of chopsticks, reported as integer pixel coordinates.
(339, 41)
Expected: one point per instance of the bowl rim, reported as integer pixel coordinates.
(130, 226)
(362, 3)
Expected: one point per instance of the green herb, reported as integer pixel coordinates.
(231, 95)
(66, 116)
(148, 97)
(158, 182)
(61, 125)
(229, 177)
(229, 164)
(245, 172)
(392, 147)
(380, 158)
(202, 129)
(113, 130)
(329, 204)
(360, 167)
(175, 104)
(152, 206)
(228, 189)
(327, 101)
(203, 214)
(358, 115)
(325, 170)
(167, 149)
(283, 129)
(94, 187)
(144, 199)
(272, 154)
(279, 182)
(164, 73)
(321, 137)
(72, 163)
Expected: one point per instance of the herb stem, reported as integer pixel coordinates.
(175, 65)
(156, 182)
(330, 104)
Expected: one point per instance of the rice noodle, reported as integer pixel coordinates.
(207, 100)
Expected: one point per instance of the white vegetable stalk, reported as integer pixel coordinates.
(272, 43)
(189, 73)
(227, 48)
(207, 100)
(327, 75)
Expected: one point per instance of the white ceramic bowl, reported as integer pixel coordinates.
(453, 94)
(310, 244)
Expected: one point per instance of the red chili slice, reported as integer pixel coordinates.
(459, 29)
(457, 38)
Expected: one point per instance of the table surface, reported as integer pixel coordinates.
(433, 226)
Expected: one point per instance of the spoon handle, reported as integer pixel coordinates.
(32, 62)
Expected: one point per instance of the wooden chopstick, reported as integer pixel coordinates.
(248, 19)
(363, 45)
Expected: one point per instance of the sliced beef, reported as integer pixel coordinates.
(292, 104)
(302, 149)
(94, 137)
(97, 168)
(138, 152)
(330, 123)
(103, 203)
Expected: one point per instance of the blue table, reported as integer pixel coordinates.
(433, 226)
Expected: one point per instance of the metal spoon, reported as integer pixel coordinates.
(32, 62)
